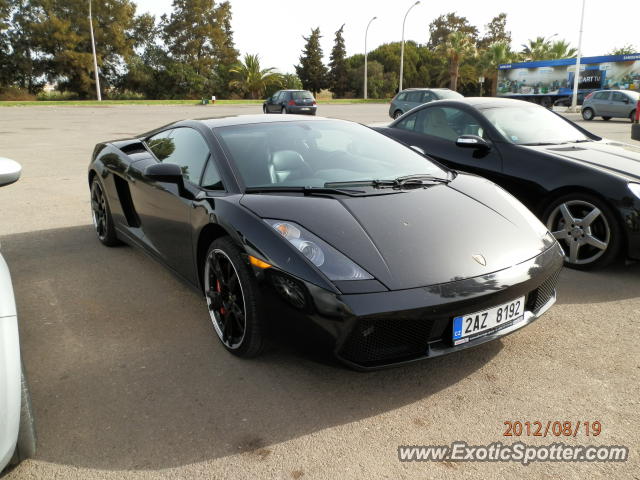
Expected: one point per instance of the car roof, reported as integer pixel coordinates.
(425, 88)
(215, 122)
(481, 103)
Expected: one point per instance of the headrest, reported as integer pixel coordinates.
(287, 160)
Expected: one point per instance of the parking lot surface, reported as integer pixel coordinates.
(129, 381)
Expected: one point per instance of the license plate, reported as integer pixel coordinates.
(468, 327)
(304, 108)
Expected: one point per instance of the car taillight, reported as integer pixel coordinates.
(291, 102)
(314, 102)
(589, 96)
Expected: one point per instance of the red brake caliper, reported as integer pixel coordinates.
(219, 290)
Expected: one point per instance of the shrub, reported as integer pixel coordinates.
(15, 94)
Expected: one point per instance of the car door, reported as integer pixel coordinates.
(163, 208)
(435, 129)
(619, 105)
(600, 103)
(272, 103)
(414, 98)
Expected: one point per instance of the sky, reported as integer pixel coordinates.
(274, 28)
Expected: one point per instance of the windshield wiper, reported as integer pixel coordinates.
(540, 144)
(306, 190)
(417, 179)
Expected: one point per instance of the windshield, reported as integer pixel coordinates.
(313, 153)
(532, 125)
(448, 94)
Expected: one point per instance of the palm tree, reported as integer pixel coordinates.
(251, 79)
(458, 47)
(496, 54)
(537, 49)
(561, 49)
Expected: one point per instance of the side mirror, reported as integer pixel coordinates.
(165, 172)
(10, 171)
(472, 141)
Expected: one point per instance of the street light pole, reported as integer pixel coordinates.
(576, 77)
(365, 57)
(402, 45)
(95, 59)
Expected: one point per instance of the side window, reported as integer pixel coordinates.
(211, 178)
(402, 97)
(447, 123)
(276, 97)
(618, 97)
(408, 123)
(601, 96)
(184, 147)
(414, 97)
(428, 97)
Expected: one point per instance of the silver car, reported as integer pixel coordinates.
(17, 433)
(412, 97)
(610, 104)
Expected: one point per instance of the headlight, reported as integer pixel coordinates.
(635, 189)
(329, 260)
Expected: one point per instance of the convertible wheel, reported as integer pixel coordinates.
(232, 296)
(397, 114)
(587, 230)
(587, 114)
(101, 214)
(26, 444)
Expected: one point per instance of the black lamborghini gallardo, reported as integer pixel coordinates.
(387, 255)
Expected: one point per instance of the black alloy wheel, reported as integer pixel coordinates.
(101, 215)
(231, 292)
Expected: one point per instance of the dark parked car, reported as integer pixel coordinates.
(291, 101)
(610, 104)
(586, 189)
(389, 256)
(412, 97)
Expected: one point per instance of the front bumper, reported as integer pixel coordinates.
(374, 330)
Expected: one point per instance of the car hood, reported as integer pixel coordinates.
(614, 157)
(421, 236)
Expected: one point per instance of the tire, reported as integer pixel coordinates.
(397, 114)
(101, 214)
(588, 114)
(587, 229)
(283, 111)
(26, 444)
(237, 321)
(632, 116)
(606, 119)
(264, 109)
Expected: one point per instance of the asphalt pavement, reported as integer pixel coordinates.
(129, 382)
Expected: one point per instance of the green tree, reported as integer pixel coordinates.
(627, 49)
(311, 71)
(495, 32)
(251, 79)
(61, 38)
(457, 48)
(560, 49)
(446, 24)
(290, 81)
(338, 77)
(536, 49)
(198, 36)
(495, 55)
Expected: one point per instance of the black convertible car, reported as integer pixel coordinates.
(389, 256)
(586, 189)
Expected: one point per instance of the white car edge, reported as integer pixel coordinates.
(17, 431)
